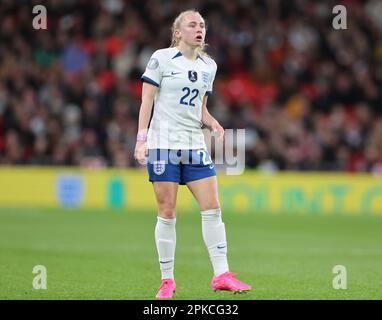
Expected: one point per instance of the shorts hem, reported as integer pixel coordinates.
(168, 180)
(207, 176)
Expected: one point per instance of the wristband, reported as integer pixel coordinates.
(142, 137)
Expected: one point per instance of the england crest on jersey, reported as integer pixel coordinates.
(159, 167)
(205, 77)
(192, 75)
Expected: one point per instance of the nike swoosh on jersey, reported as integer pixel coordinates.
(174, 73)
(221, 247)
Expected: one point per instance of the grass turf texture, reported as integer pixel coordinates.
(111, 255)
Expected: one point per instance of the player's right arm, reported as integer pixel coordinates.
(148, 94)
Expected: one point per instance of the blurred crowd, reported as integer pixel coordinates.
(309, 96)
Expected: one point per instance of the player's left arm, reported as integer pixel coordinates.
(210, 122)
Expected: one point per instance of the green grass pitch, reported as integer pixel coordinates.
(111, 255)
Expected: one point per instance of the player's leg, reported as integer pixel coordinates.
(165, 177)
(165, 234)
(165, 194)
(205, 191)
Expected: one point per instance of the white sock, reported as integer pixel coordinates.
(214, 236)
(165, 239)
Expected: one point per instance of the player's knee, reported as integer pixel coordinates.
(167, 213)
(213, 204)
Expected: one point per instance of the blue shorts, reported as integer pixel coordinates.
(180, 166)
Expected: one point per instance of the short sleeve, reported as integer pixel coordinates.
(212, 79)
(153, 72)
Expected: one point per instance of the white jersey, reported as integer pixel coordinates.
(182, 83)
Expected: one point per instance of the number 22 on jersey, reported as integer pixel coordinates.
(186, 100)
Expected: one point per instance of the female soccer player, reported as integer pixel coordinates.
(177, 81)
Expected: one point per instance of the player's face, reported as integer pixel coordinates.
(192, 30)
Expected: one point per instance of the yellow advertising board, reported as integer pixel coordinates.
(249, 193)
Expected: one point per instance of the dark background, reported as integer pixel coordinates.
(309, 96)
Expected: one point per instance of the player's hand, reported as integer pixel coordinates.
(141, 152)
(216, 127)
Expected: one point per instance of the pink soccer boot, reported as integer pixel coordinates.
(166, 289)
(227, 281)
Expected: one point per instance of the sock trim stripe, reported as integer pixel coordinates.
(216, 211)
(166, 221)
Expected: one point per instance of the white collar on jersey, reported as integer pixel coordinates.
(179, 54)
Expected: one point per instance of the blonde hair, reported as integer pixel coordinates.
(176, 25)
